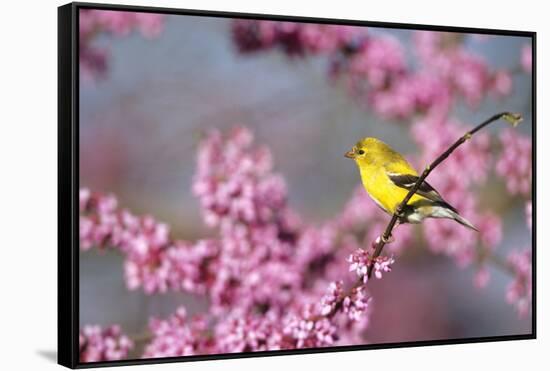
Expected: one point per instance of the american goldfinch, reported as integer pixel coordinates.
(388, 177)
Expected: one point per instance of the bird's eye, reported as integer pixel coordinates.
(361, 152)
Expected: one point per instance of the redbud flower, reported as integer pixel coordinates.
(310, 333)
(501, 83)
(98, 344)
(519, 292)
(482, 277)
(357, 305)
(360, 260)
(382, 264)
(94, 22)
(527, 58)
(177, 336)
(234, 182)
(514, 164)
(490, 230)
(247, 332)
(334, 293)
(359, 263)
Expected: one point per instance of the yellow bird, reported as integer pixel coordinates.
(388, 177)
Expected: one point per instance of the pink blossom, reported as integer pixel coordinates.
(501, 83)
(251, 36)
(153, 261)
(98, 344)
(119, 23)
(470, 77)
(93, 22)
(360, 260)
(293, 38)
(412, 94)
(490, 230)
(527, 58)
(234, 182)
(474, 155)
(514, 164)
(177, 336)
(467, 74)
(359, 210)
(333, 295)
(329, 38)
(357, 305)
(450, 238)
(519, 292)
(374, 68)
(378, 61)
(246, 333)
(382, 264)
(307, 333)
(482, 277)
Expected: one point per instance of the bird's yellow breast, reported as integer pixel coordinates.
(381, 189)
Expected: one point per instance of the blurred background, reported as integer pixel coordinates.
(139, 130)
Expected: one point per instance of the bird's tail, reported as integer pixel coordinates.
(464, 221)
(447, 211)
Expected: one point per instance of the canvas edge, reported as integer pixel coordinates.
(68, 156)
(67, 223)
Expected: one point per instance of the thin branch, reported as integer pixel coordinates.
(513, 118)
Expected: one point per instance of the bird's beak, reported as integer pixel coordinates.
(350, 154)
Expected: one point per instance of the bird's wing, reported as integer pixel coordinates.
(407, 181)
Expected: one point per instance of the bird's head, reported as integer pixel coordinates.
(367, 150)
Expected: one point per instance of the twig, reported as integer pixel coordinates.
(513, 118)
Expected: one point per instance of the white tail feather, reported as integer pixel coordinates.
(443, 212)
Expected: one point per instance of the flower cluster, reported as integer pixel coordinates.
(294, 39)
(177, 336)
(467, 75)
(270, 331)
(357, 303)
(519, 292)
(527, 58)
(237, 187)
(376, 71)
(514, 165)
(93, 22)
(360, 261)
(154, 261)
(305, 327)
(264, 272)
(98, 344)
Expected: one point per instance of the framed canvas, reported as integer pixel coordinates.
(240, 185)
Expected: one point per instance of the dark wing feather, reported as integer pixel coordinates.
(407, 181)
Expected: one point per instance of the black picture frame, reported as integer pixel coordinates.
(68, 182)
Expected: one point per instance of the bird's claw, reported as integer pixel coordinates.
(390, 239)
(386, 241)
